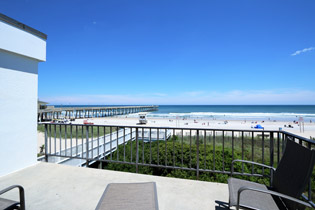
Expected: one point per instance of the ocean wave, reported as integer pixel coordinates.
(240, 114)
(230, 115)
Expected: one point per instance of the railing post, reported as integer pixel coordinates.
(137, 152)
(310, 180)
(46, 143)
(271, 157)
(284, 139)
(197, 171)
(87, 146)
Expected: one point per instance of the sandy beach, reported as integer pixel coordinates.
(309, 128)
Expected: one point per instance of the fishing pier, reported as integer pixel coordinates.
(51, 112)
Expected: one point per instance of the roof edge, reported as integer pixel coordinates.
(22, 26)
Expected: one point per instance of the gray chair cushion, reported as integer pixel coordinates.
(254, 200)
(129, 196)
(7, 204)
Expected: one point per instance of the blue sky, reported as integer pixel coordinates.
(173, 52)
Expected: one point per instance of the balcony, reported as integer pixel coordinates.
(200, 153)
(54, 186)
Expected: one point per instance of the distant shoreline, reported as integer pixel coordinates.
(228, 112)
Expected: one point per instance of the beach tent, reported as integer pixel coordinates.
(259, 126)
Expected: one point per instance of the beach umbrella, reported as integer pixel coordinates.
(258, 126)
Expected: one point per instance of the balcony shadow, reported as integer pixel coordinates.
(222, 205)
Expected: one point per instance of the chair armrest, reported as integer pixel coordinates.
(21, 192)
(271, 193)
(250, 162)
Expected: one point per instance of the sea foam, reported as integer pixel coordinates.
(235, 115)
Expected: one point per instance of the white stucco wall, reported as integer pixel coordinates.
(18, 97)
(21, 42)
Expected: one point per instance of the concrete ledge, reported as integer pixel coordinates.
(22, 26)
(52, 186)
(16, 40)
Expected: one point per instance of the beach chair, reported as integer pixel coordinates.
(126, 196)
(10, 204)
(289, 180)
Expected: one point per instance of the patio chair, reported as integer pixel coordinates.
(7, 204)
(126, 196)
(289, 180)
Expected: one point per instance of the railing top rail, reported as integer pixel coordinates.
(190, 128)
(163, 127)
(299, 137)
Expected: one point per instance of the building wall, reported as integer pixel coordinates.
(18, 98)
(21, 42)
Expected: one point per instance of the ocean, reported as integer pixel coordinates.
(231, 112)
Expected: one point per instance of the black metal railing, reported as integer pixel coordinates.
(198, 150)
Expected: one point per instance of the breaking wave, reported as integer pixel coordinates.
(221, 115)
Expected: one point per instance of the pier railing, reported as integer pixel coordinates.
(200, 150)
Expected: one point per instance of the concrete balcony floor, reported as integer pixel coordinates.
(51, 186)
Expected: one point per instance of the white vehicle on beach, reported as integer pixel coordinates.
(142, 118)
(61, 121)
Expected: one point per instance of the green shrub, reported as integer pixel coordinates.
(75, 131)
(172, 152)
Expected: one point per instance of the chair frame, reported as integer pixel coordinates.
(21, 194)
(260, 190)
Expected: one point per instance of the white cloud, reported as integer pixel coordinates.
(194, 93)
(253, 97)
(302, 51)
(160, 94)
